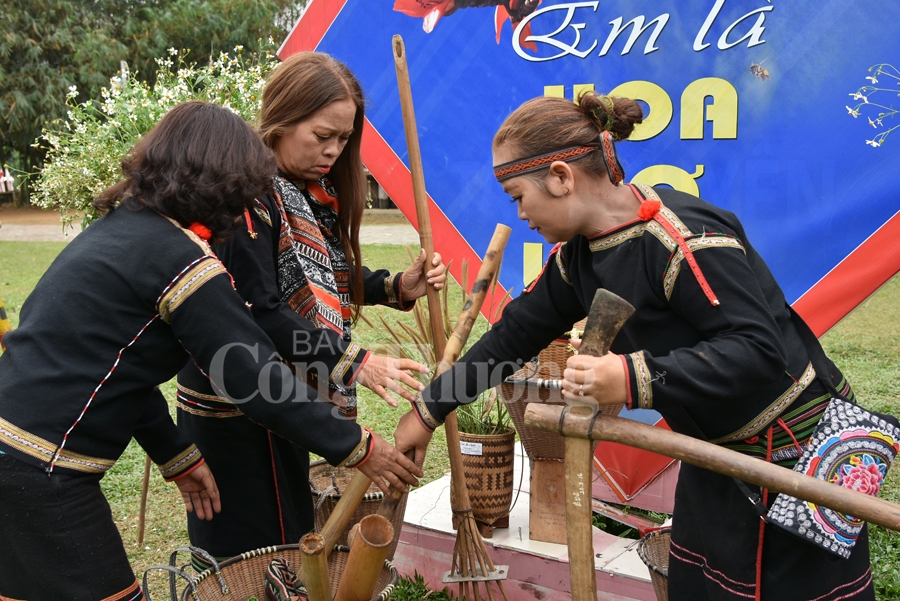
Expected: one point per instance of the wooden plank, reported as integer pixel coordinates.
(547, 513)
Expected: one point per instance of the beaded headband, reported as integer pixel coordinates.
(538, 161)
(570, 153)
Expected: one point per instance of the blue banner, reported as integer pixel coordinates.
(777, 110)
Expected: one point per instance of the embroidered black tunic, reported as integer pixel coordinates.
(116, 314)
(721, 371)
(244, 456)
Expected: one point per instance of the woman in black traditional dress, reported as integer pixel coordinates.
(296, 262)
(119, 312)
(711, 346)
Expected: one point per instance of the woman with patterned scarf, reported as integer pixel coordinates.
(296, 262)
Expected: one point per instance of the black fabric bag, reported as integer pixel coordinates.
(850, 447)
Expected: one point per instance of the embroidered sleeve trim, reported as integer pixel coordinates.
(359, 451)
(757, 424)
(425, 416)
(34, 446)
(204, 405)
(629, 400)
(181, 463)
(345, 363)
(188, 283)
(694, 244)
(643, 379)
(389, 290)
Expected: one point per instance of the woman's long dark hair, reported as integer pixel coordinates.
(201, 164)
(301, 85)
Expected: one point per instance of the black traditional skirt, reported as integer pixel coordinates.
(58, 538)
(715, 547)
(263, 482)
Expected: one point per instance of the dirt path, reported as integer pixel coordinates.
(32, 224)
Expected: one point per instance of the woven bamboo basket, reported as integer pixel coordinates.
(542, 384)
(245, 575)
(653, 549)
(327, 484)
(489, 476)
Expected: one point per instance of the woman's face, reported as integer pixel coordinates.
(310, 148)
(543, 212)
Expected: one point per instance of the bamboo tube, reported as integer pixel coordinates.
(607, 314)
(145, 489)
(419, 192)
(343, 510)
(315, 567)
(366, 559)
(716, 459)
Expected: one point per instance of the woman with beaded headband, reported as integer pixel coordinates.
(296, 262)
(712, 345)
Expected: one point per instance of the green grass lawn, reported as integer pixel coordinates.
(866, 345)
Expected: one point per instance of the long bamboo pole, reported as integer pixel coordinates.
(468, 538)
(419, 193)
(716, 459)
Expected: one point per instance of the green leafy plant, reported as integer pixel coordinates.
(414, 589)
(84, 152)
(485, 415)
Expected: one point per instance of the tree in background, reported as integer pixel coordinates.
(48, 46)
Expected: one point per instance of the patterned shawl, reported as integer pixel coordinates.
(313, 273)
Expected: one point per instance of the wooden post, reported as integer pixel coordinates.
(145, 489)
(315, 567)
(607, 315)
(366, 560)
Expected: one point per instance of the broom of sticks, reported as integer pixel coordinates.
(470, 557)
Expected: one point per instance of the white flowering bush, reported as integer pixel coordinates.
(84, 152)
(867, 101)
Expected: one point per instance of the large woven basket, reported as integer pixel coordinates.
(541, 384)
(653, 549)
(327, 484)
(245, 575)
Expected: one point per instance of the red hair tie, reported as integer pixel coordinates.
(201, 230)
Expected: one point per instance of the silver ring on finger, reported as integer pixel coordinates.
(581, 390)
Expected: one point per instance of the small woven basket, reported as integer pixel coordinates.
(653, 549)
(489, 476)
(245, 575)
(327, 484)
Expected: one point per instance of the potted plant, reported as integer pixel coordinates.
(487, 440)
